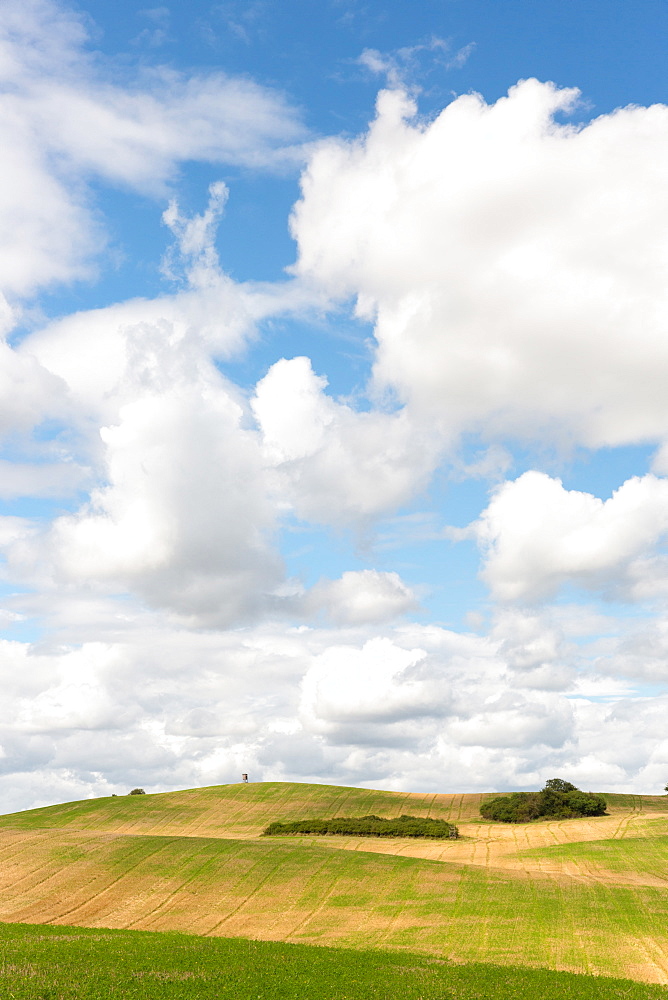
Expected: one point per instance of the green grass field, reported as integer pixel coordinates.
(47, 963)
(586, 896)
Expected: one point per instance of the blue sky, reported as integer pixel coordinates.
(334, 434)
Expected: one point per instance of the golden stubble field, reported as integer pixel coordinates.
(585, 895)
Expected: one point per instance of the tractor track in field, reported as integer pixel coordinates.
(309, 917)
(297, 910)
(142, 922)
(486, 845)
(106, 889)
(502, 849)
(244, 902)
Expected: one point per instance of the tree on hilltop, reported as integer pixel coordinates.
(559, 785)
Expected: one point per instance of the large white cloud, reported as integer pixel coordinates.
(178, 508)
(514, 265)
(536, 536)
(368, 685)
(182, 516)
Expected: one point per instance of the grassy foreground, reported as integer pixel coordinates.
(47, 963)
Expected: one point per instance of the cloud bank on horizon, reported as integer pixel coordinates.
(194, 574)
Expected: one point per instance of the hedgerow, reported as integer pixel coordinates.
(365, 826)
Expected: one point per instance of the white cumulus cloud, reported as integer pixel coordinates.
(514, 264)
(335, 464)
(536, 536)
(183, 518)
(372, 684)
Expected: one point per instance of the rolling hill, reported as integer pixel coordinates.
(580, 895)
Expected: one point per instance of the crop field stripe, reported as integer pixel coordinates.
(11, 847)
(19, 852)
(45, 865)
(188, 881)
(432, 802)
(250, 895)
(622, 827)
(326, 894)
(315, 879)
(641, 860)
(656, 953)
(641, 944)
(110, 885)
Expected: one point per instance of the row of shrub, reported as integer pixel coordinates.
(558, 800)
(365, 826)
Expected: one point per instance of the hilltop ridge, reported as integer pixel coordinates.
(238, 810)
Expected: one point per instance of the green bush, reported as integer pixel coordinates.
(558, 800)
(586, 803)
(520, 807)
(365, 826)
(137, 791)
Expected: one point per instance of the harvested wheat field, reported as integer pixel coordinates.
(586, 895)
